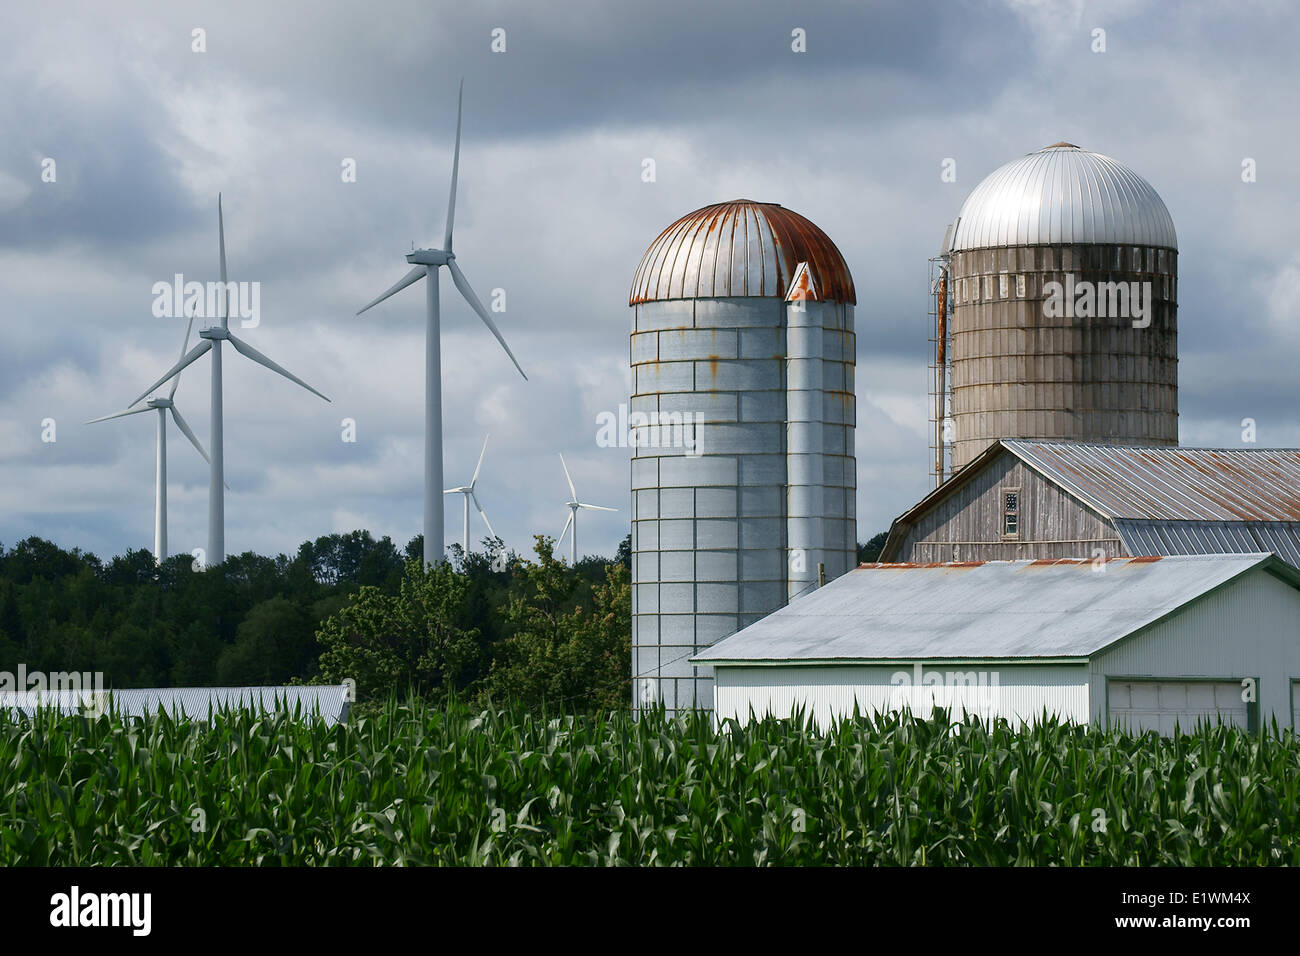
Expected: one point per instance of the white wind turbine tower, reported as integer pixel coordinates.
(574, 505)
(468, 492)
(212, 337)
(427, 262)
(162, 406)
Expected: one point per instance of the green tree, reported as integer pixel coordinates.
(275, 641)
(870, 552)
(562, 657)
(416, 640)
(12, 636)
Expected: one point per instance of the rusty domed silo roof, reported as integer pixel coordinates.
(1063, 195)
(739, 248)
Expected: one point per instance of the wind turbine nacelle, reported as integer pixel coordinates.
(429, 257)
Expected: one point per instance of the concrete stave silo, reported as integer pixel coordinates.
(1029, 359)
(743, 323)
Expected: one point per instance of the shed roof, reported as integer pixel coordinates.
(984, 610)
(330, 702)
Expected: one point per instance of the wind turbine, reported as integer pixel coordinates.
(574, 505)
(427, 262)
(162, 406)
(212, 337)
(468, 492)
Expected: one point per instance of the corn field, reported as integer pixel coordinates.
(412, 785)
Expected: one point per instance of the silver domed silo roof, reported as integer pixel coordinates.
(1063, 194)
(739, 248)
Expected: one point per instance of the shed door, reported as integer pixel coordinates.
(1142, 705)
(1295, 706)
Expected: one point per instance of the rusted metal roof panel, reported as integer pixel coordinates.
(1063, 195)
(740, 248)
(992, 610)
(1172, 484)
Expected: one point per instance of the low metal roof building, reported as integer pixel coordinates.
(1040, 499)
(1146, 642)
(330, 702)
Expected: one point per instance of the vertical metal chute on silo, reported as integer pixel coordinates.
(941, 394)
(805, 444)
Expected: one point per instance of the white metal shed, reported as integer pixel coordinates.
(1147, 642)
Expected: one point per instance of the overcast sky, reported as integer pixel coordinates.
(144, 132)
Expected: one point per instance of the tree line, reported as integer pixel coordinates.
(485, 626)
(344, 606)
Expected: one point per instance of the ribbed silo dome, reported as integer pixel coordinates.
(1063, 195)
(739, 248)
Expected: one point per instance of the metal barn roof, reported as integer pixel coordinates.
(1063, 194)
(1162, 500)
(739, 248)
(330, 702)
(1173, 484)
(989, 610)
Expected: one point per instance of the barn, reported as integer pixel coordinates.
(1143, 642)
(1023, 499)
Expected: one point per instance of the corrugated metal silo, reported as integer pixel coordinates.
(743, 323)
(1069, 216)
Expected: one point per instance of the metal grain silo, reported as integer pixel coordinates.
(743, 327)
(1023, 358)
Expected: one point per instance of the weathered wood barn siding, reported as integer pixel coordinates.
(966, 526)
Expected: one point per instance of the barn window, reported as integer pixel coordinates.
(1020, 285)
(1010, 512)
(1002, 285)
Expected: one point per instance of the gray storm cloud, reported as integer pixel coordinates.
(553, 211)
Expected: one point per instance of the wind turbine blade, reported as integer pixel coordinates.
(481, 513)
(249, 352)
(566, 475)
(455, 167)
(462, 284)
(185, 343)
(185, 429)
(596, 507)
(480, 461)
(455, 491)
(560, 540)
(415, 274)
(221, 234)
(129, 411)
(188, 358)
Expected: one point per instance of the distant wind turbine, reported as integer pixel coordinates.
(212, 337)
(162, 406)
(468, 492)
(574, 504)
(427, 262)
